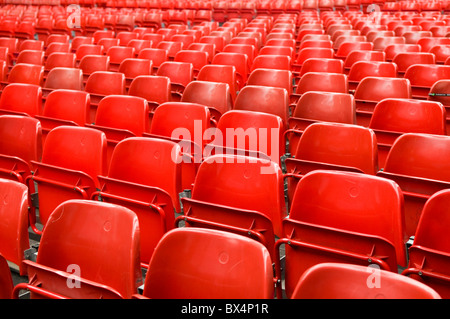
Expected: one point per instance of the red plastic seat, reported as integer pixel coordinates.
(180, 75)
(60, 59)
(275, 62)
(58, 47)
(361, 69)
(126, 36)
(21, 99)
(103, 83)
(249, 132)
(364, 56)
(133, 67)
(35, 57)
(336, 231)
(171, 47)
(247, 49)
(121, 117)
(147, 184)
(6, 282)
(63, 78)
(428, 255)
(272, 78)
(441, 53)
(89, 49)
(345, 281)
(72, 158)
(91, 63)
(107, 43)
(64, 107)
(258, 200)
(427, 43)
(321, 81)
(380, 43)
(394, 117)
(423, 76)
(372, 90)
(417, 163)
(238, 60)
(222, 74)
(157, 56)
(14, 227)
(198, 59)
(117, 54)
(272, 100)
(20, 143)
(215, 95)
(160, 93)
(246, 274)
(405, 59)
(314, 106)
(86, 243)
(440, 92)
(347, 38)
(307, 53)
(26, 73)
(347, 47)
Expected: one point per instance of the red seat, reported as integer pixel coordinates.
(107, 43)
(103, 83)
(58, 47)
(380, 43)
(117, 54)
(247, 49)
(91, 63)
(361, 69)
(171, 47)
(160, 93)
(21, 99)
(60, 59)
(427, 43)
(198, 59)
(372, 90)
(428, 255)
(89, 49)
(362, 56)
(222, 74)
(417, 163)
(272, 100)
(307, 53)
(180, 75)
(423, 76)
(345, 281)
(121, 117)
(321, 81)
(14, 226)
(125, 37)
(6, 282)
(249, 132)
(211, 278)
(393, 117)
(86, 243)
(347, 47)
(258, 200)
(133, 67)
(405, 59)
(64, 107)
(441, 53)
(27, 73)
(144, 177)
(272, 78)
(314, 106)
(215, 95)
(20, 143)
(72, 158)
(63, 78)
(35, 57)
(157, 56)
(336, 231)
(238, 60)
(275, 62)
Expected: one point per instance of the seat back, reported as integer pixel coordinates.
(157, 56)
(106, 83)
(423, 76)
(273, 78)
(21, 98)
(405, 59)
(14, 226)
(272, 100)
(322, 81)
(238, 60)
(60, 59)
(100, 238)
(215, 95)
(160, 84)
(220, 73)
(6, 282)
(344, 281)
(322, 65)
(178, 72)
(64, 78)
(271, 61)
(26, 73)
(212, 277)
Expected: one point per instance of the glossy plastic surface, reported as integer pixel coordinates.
(21, 98)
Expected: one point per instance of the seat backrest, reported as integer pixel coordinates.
(238, 60)
(327, 107)
(157, 56)
(347, 47)
(100, 238)
(273, 78)
(420, 155)
(363, 55)
(64, 78)
(409, 115)
(76, 148)
(272, 100)
(107, 43)
(21, 136)
(215, 95)
(428, 42)
(178, 72)
(438, 92)
(378, 88)
(392, 50)
(89, 49)
(231, 266)
(26, 73)
(123, 112)
(133, 67)
(362, 69)
(271, 61)
(68, 105)
(343, 196)
(253, 131)
(220, 73)
(322, 81)
(406, 59)
(306, 53)
(346, 281)
(22, 98)
(426, 75)
(322, 65)
(91, 63)
(106, 83)
(6, 282)
(119, 53)
(197, 58)
(147, 161)
(341, 144)
(60, 59)
(256, 185)
(14, 227)
(160, 84)
(35, 57)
